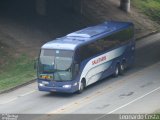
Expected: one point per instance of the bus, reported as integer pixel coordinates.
(79, 59)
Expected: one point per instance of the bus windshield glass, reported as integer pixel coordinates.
(57, 63)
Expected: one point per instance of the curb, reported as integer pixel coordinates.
(152, 33)
(16, 87)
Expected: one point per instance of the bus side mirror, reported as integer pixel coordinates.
(35, 63)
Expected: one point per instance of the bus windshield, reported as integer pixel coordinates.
(57, 63)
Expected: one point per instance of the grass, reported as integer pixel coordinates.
(149, 7)
(15, 71)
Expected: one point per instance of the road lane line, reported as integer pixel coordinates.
(13, 99)
(134, 100)
(27, 93)
(6, 102)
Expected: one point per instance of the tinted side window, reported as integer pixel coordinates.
(82, 53)
(104, 44)
(89, 50)
(122, 36)
(95, 48)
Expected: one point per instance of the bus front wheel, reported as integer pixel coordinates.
(82, 86)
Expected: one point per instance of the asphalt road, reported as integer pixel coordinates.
(138, 91)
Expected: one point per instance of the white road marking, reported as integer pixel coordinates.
(27, 93)
(111, 112)
(134, 100)
(13, 99)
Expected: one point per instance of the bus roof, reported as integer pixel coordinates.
(72, 40)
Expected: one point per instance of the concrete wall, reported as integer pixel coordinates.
(16, 7)
(45, 7)
(41, 7)
(75, 5)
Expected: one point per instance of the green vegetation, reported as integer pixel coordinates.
(150, 7)
(14, 70)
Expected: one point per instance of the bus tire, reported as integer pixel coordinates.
(122, 68)
(82, 87)
(116, 71)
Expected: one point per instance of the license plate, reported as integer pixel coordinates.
(53, 90)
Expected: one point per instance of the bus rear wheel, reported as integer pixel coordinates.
(122, 68)
(117, 71)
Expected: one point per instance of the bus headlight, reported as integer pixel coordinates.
(41, 85)
(66, 86)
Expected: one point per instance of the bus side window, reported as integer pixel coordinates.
(94, 48)
(107, 43)
(82, 53)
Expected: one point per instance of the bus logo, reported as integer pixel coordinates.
(99, 60)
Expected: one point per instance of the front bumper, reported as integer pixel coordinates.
(57, 87)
